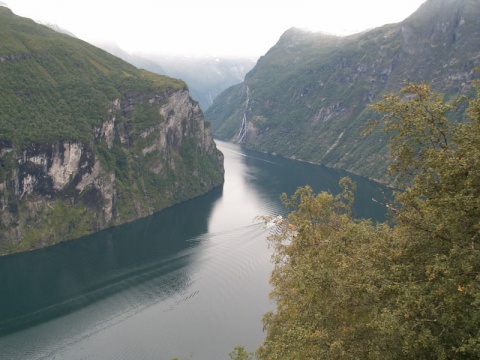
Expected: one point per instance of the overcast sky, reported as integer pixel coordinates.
(209, 27)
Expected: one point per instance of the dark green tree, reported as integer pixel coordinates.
(239, 353)
(327, 279)
(410, 288)
(437, 164)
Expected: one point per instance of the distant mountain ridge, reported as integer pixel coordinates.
(308, 97)
(88, 141)
(206, 76)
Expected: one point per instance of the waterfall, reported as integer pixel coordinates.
(242, 134)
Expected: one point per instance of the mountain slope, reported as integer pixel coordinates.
(308, 97)
(88, 141)
(206, 76)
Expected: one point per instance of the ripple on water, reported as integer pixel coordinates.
(216, 281)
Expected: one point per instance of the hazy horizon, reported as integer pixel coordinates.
(221, 28)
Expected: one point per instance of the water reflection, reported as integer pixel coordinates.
(190, 281)
(269, 176)
(50, 282)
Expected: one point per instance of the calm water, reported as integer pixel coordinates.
(191, 281)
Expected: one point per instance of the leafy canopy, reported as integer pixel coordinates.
(410, 288)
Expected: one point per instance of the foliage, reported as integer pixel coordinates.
(328, 268)
(239, 353)
(349, 289)
(57, 89)
(59, 220)
(438, 224)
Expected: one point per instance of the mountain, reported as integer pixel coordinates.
(206, 76)
(138, 61)
(88, 141)
(308, 97)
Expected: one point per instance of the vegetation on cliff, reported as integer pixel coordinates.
(405, 289)
(206, 76)
(89, 141)
(55, 87)
(308, 96)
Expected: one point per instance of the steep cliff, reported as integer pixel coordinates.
(87, 141)
(308, 97)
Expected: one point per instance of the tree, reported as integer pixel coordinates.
(327, 276)
(349, 289)
(437, 162)
(239, 353)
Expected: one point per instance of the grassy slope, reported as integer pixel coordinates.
(57, 87)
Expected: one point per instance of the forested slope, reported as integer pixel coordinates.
(89, 141)
(308, 97)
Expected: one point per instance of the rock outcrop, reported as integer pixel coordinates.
(310, 94)
(63, 190)
(87, 141)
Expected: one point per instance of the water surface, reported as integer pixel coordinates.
(190, 281)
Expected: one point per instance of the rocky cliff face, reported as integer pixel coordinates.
(56, 191)
(88, 141)
(308, 97)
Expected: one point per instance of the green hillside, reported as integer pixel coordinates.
(89, 141)
(57, 87)
(309, 96)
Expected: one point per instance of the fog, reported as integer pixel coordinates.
(208, 27)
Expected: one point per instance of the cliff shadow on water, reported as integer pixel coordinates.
(88, 141)
(44, 284)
